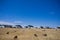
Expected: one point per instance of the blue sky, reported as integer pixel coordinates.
(33, 12)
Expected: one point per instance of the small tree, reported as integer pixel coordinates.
(18, 26)
(41, 27)
(30, 26)
(7, 26)
(58, 27)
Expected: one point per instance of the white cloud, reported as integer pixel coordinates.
(6, 23)
(11, 23)
(18, 22)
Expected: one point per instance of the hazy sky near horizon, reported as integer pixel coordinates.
(33, 12)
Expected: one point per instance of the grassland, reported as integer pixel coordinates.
(29, 34)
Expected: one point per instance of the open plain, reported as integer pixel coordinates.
(29, 34)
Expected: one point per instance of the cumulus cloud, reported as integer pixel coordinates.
(6, 23)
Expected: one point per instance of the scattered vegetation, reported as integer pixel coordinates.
(28, 26)
(29, 34)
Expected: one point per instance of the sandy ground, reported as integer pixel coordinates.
(29, 34)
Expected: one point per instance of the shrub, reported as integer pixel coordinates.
(7, 33)
(15, 37)
(35, 35)
(44, 34)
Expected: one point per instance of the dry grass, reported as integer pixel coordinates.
(29, 34)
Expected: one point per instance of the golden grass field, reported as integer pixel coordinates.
(28, 34)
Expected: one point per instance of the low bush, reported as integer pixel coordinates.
(7, 33)
(15, 37)
(44, 34)
(35, 35)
